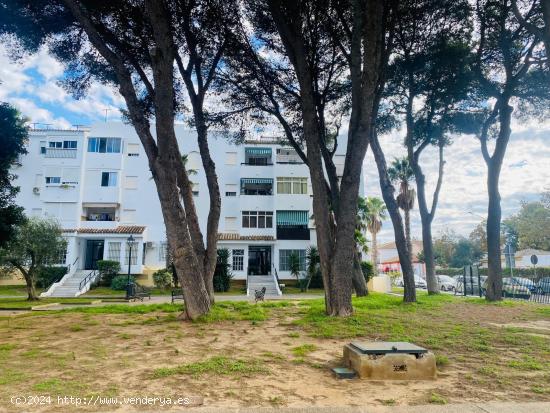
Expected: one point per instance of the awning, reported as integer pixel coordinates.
(256, 181)
(257, 151)
(291, 218)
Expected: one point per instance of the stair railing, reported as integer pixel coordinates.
(89, 279)
(276, 279)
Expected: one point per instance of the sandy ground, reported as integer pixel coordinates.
(106, 355)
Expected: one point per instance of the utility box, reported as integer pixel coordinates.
(379, 360)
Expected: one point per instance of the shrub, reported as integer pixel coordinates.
(120, 282)
(107, 271)
(518, 272)
(222, 274)
(46, 276)
(314, 268)
(367, 270)
(162, 278)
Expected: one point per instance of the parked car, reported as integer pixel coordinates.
(510, 288)
(446, 283)
(526, 282)
(420, 282)
(543, 286)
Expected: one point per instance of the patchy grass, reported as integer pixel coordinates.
(23, 304)
(218, 365)
(16, 290)
(233, 355)
(304, 350)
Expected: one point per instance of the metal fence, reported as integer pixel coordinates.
(531, 288)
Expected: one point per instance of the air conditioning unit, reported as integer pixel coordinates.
(36, 190)
(149, 244)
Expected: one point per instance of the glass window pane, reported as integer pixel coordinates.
(105, 179)
(261, 221)
(116, 145)
(253, 222)
(102, 145)
(269, 222)
(246, 222)
(92, 142)
(112, 178)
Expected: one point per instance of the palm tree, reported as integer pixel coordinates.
(401, 172)
(371, 212)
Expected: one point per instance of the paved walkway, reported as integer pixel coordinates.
(491, 407)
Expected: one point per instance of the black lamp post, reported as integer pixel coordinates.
(129, 243)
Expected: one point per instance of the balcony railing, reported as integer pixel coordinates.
(60, 153)
(294, 159)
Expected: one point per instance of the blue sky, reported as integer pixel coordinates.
(32, 85)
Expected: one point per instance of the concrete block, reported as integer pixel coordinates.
(390, 366)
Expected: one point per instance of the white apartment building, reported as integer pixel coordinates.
(96, 183)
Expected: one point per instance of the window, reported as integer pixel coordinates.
(163, 251)
(42, 147)
(51, 180)
(133, 149)
(257, 219)
(231, 224)
(69, 144)
(230, 194)
(113, 253)
(130, 182)
(108, 178)
(61, 258)
(231, 158)
(288, 185)
(238, 260)
(231, 190)
(195, 189)
(104, 145)
(133, 260)
(284, 259)
(128, 216)
(58, 145)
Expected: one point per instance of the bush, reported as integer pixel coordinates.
(107, 271)
(367, 270)
(120, 282)
(222, 274)
(46, 276)
(162, 278)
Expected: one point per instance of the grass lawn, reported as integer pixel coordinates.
(16, 303)
(296, 290)
(15, 290)
(276, 353)
(106, 291)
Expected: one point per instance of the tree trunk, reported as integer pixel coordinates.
(494, 212)
(31, 289)
(359, 283)
(407, 216)
(429, 260)
(494, 270)
(545, 4)
(374, 254)
(388, 192)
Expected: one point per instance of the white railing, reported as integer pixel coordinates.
(60, 153)
(288, 159)
(69, 274)
(276, 280)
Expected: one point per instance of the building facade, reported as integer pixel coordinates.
(97, 184)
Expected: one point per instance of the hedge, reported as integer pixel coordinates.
(48, 275)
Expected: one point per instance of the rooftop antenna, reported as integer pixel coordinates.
(106, 113)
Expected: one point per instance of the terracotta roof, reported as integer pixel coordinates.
(395, 260)
(123, 229)
(391, 245)
(236, 237)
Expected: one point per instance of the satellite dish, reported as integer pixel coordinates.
(534, 259)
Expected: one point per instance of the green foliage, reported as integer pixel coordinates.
(518, 272)
(314, 268)
(13, 137)
(304, 350)
(46, 276)
(37, 243)
(162, 278)
(120, 282)
(367, 270)
(532, 225)
(218, 365)
(222, 273)
(107, 271)
(294, 268)
(451, 250)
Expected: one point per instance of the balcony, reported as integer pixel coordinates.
(293, 225)
(256, 186)
(60, 153)
(298, 232)
(288, 156)
(257, 156)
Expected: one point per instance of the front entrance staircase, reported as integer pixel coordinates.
(256, 282)
(72, 284)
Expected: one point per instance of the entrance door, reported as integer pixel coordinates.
(259, 260)
(94, 253)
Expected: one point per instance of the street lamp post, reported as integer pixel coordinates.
(129, 243)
